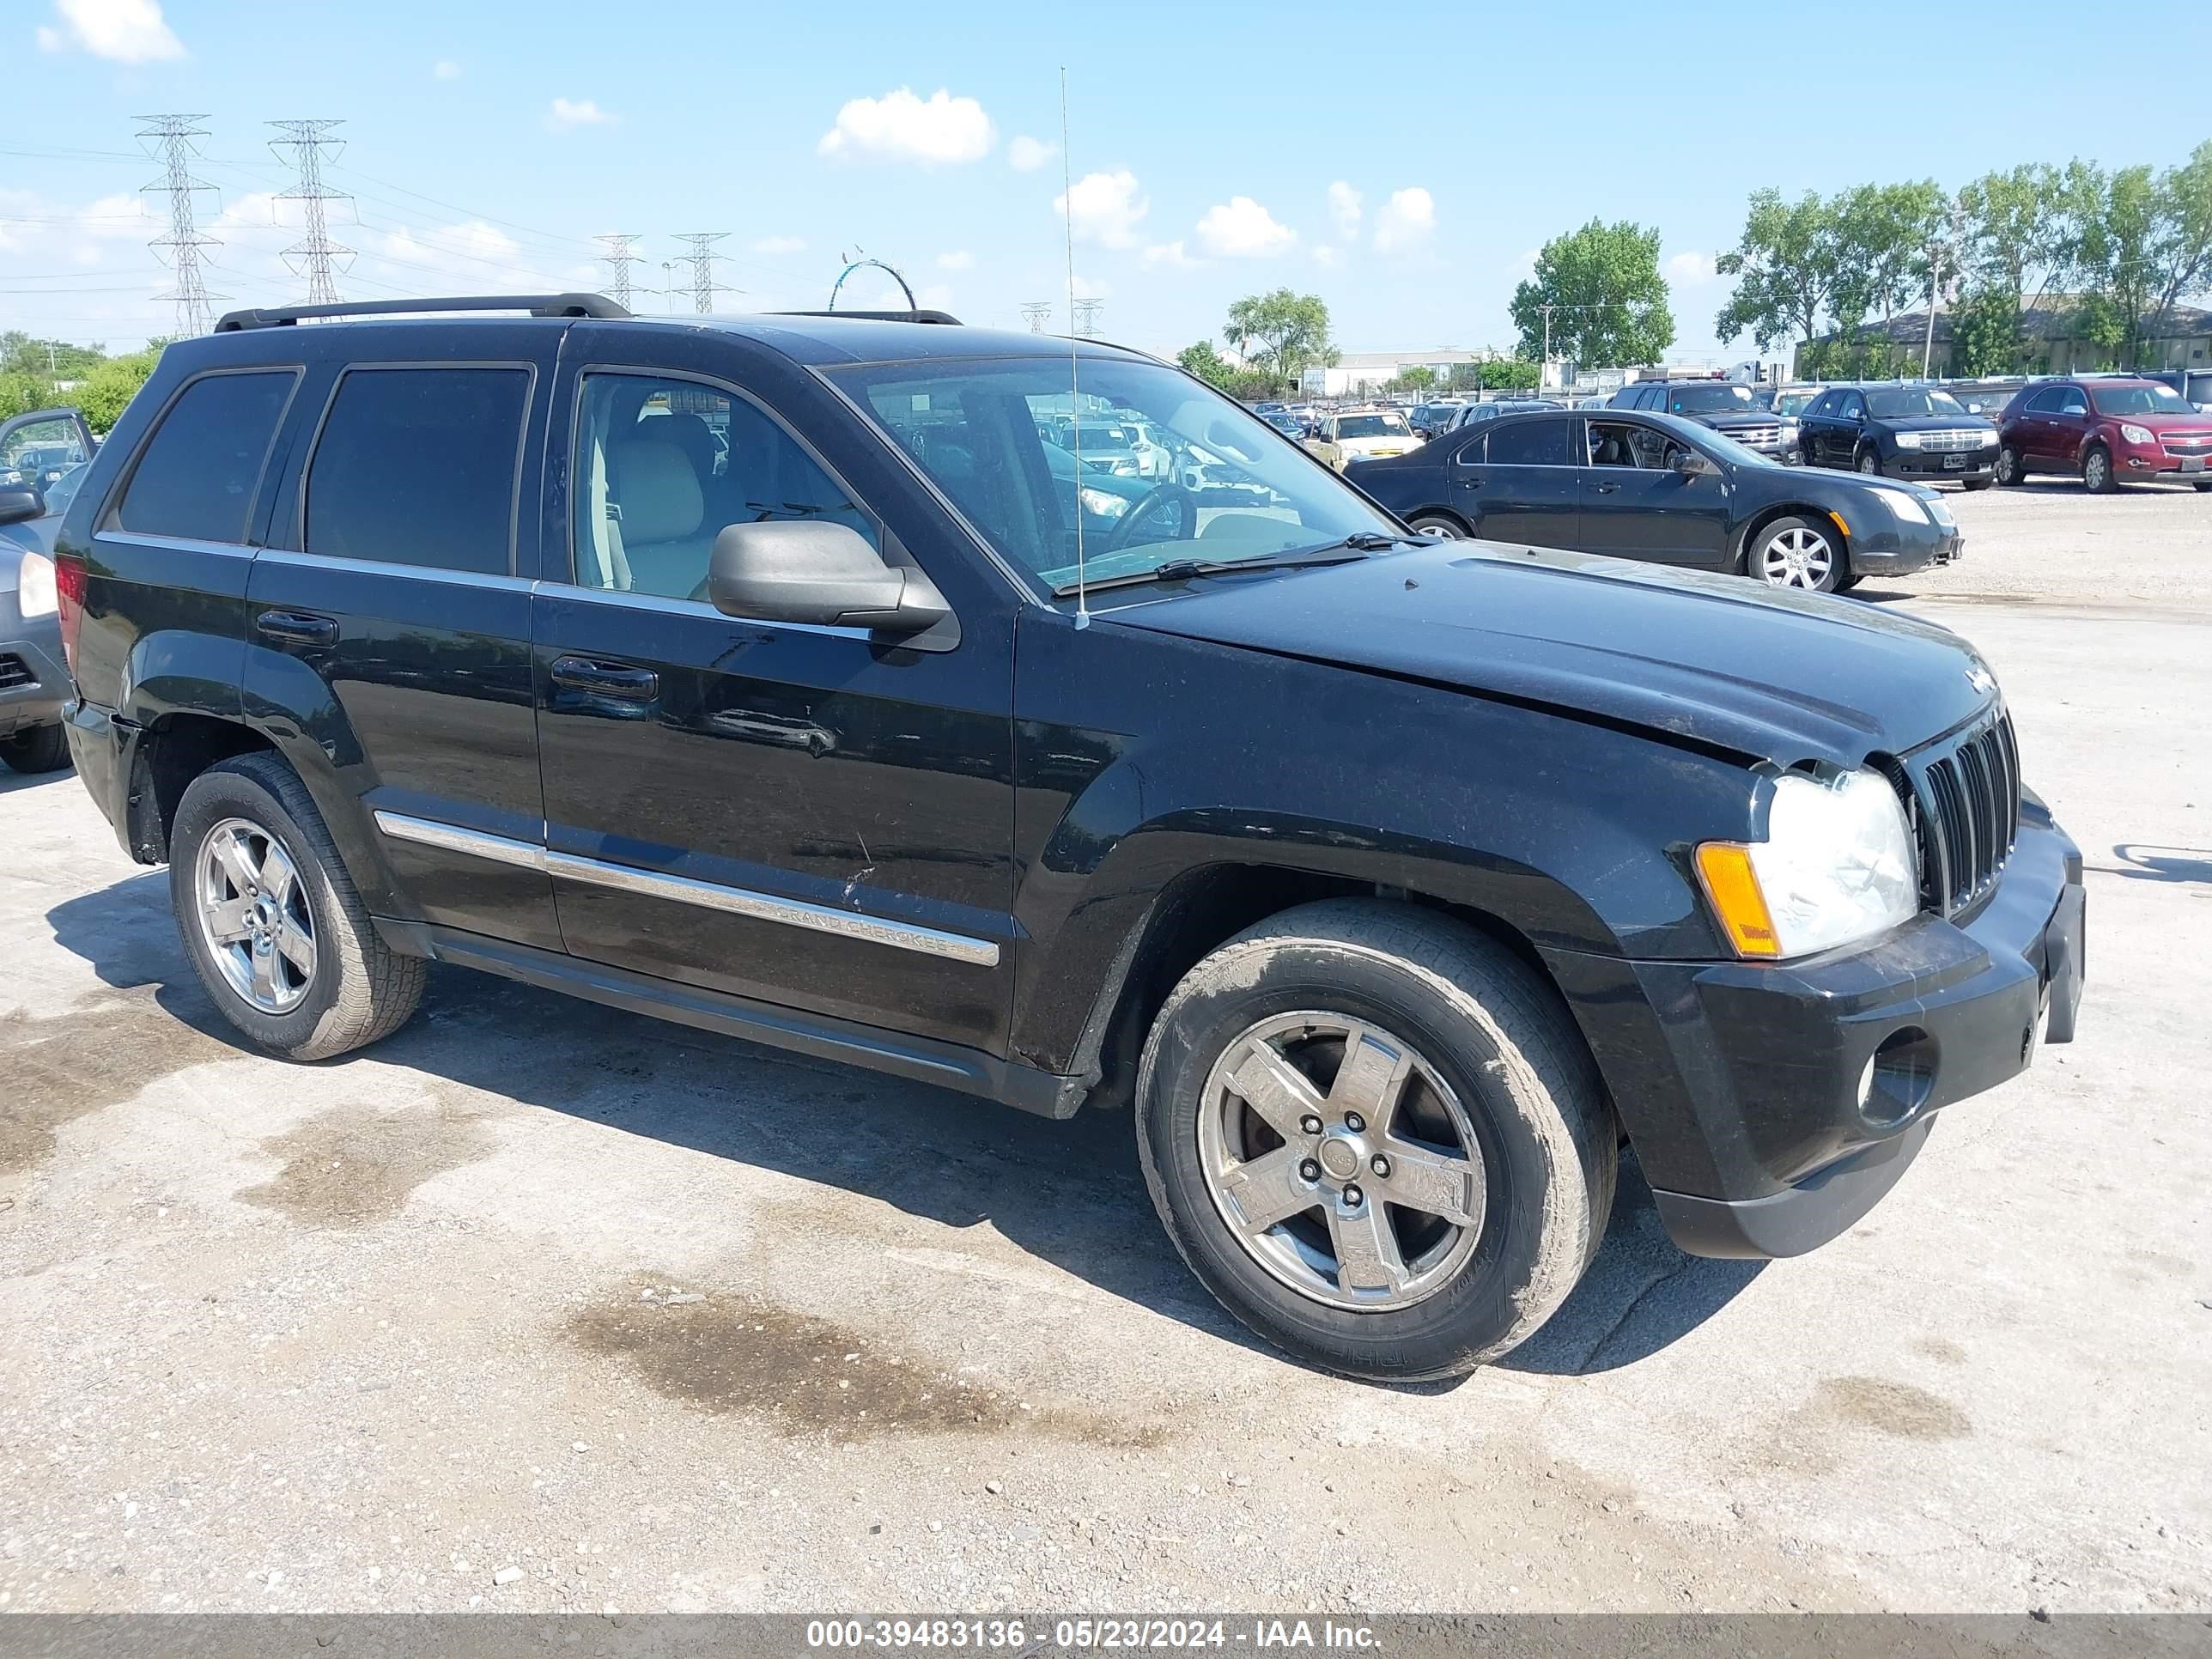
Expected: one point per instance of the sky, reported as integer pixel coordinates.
(1217, 148)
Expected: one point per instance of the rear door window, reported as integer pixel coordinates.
(417, 466)
(1545, 441)
(196, 478)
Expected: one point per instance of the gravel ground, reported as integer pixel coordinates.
(539, 1306)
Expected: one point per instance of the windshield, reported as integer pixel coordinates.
(1373, 425)
(1707, 399)
(1794, 403)
(63, 490)
(2139, 400)
(1235, 489)
(1903, 404)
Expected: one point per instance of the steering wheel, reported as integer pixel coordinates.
(1157, 505)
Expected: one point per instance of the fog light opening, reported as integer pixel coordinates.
(1899, 1076)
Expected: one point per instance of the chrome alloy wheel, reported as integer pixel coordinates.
(254, 916)
(1797, 558)
(1341, 1161)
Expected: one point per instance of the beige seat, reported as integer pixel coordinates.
(664, 534)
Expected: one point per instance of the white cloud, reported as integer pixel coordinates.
(1169, 253)
(901, 127)
(1330, 257)
(446, 70)
(1104, 208)
(958, 259)
(1344, 206)
(1406, 221)
(1028, 153)
(773, 245)
(1240, 228)
(1689, 269)
(937, 296)
(1089, 287)
(121, 31)
(577, 112)
(471, 251)
(255, 207)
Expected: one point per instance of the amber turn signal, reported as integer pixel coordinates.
(1730, 883)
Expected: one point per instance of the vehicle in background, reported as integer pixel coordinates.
(1107, 444)
(1101, 494)
(2104, 432)
(1385, 888)
(1286, 423)
(1664, 490)
(1899, 432)
(2193, 385)
(1471, 413)
(37, 447)
(1433, 419)
(1351, 434)
(1725, 406)
(1787, 400)
(35, 682)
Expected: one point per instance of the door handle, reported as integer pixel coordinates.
(606, 679)
(297, 626)
(1608, 490)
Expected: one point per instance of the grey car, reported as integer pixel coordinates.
(34, 680)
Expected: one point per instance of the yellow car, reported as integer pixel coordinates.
(1363, 434)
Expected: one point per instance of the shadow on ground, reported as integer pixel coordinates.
(1071, 1194)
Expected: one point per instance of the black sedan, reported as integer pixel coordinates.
(1899, 432)
(1664, 490)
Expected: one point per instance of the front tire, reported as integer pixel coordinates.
(272, 921)
(1435, 524)
(1869, 463)
(1377, 1137)
(2097, 472)
(1796, 552)
(2010, 468)
(41, 749)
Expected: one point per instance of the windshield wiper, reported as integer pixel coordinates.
(1356, 546)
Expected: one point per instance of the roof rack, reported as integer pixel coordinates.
(537, 305)
(945, 318)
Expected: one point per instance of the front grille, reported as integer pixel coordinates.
(14, 671)
(1953, 442)
(1963, 798)
(2190, 443)
(1755, 436)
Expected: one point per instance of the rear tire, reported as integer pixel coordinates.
(1435, 524)
(1973, 484)
(41, 749)
(1376, 1249)
(272, 921)
(2097, 472)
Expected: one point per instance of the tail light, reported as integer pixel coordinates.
(68, 595)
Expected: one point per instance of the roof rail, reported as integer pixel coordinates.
(916, 316)
(537, 305)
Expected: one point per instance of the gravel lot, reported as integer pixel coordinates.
(539, 1306)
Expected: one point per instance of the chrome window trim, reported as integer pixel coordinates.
(682, 889)
(554, 588)
(189, 544)
(428, 573)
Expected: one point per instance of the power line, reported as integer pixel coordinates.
(702, 259)
(1035, 312)
(315, 252)
(183, 242)
(618, 259)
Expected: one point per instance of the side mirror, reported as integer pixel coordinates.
(815, 570)
(1691, 465)
(18, 504)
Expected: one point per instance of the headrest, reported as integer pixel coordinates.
(657, 490)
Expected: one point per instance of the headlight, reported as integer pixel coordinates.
(34, 585)
(1789, 427)
(1837, 866)
(1099, 504)
(1905, 504)
(1908, 439)
(2135, 434)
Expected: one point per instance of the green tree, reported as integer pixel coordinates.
(21, 393)
(2117, 218)
(2183, 250)
(1883, 236)
(1985, 332)
(1606, 299)
(1207, 364)
(1419, 378)
(1282, 333)
(109, 388)
(1787, 266)
(50, 359)
(2020, 239)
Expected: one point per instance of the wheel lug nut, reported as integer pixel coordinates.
(1309, 1124)
(1380, 1164)
(1353, 1197)
(1310, 1171)
(1354, 1122)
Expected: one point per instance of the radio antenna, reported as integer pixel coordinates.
(1074, 381)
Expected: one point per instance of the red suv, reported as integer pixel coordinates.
(2105, 430)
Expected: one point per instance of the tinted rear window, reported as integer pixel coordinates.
(196, 476)
(1541, 442)
(417, 465)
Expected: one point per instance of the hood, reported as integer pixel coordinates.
(1387, 443)
(2166, 425)
(1716, 661)
(1722, 419)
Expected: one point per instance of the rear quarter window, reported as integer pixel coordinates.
(196, 476)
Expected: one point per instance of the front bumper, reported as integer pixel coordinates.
(35, 682)
(1899, 549)
(2151, 461)
(1771, 1107)
(1957, 465)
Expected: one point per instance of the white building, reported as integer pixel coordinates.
(1358, 372)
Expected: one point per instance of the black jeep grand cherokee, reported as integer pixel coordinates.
(736, 672)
